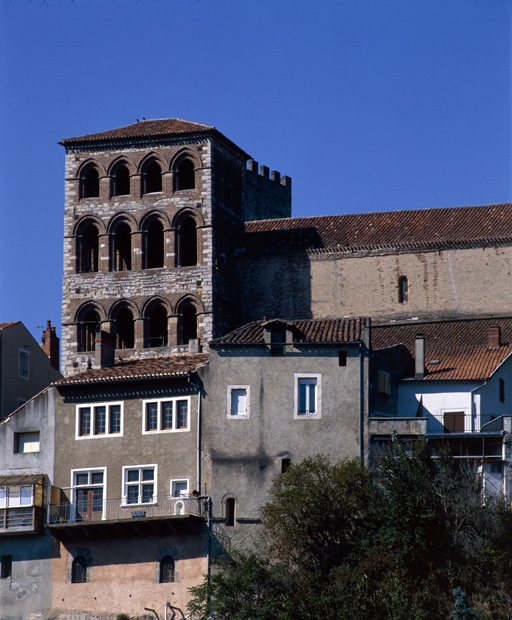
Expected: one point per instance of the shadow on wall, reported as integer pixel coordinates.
(276, 273)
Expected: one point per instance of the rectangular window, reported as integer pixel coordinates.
(101, 420)
(26, 442)
(3, 497)
(453, 421)
(165, 415)
(89, 493)
(342, 358)
(307, 396)
(277, 342)
(24, 361)
(139, 484)
(179, 488)
(6, 569)
(502, 390)
(383, 383)
(238, 399)
(25, 496)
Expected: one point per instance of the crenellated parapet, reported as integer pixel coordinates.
(267, 194)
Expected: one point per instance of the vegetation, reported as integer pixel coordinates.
(416, 540)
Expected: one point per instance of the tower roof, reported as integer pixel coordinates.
(152, 129)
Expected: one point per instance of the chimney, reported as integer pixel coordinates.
(50, 345)
(104, 349)
(194, 345)
(419, 356)
(493, 337)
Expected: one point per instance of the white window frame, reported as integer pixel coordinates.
(74, 486)
(92, 407)
(140, 482)
(315, 378)
(9, 499)
(238, 416)
(173, 484)
(22, 372)
(159, 402)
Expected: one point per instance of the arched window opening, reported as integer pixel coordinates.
(121, 181)
(157, 329)
(403, 290)
(188, 324)
(152, 178)
(88, 241)
(155, 245)
(187, 243)
(166, 569)
(79, 570)
(230, 511)
(88, 326)
(90, 183)
(122, 248)
(124, 329)
(186, 178)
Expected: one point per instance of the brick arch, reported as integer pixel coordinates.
(121, 217)
(120, 230)
(185, 153)
(151, 215)
(123, 314)
(90, 162)
(89, 219)
(188, 241)
(122, 159)
(188, 309)
(188, 298)
(187, 212)
(156, 299)
(86, 326)
(152, 156)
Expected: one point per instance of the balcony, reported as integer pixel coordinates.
(112, 517)
(21, 520)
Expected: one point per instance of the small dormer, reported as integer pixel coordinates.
(277, 334)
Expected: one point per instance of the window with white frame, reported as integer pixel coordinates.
(88, 493)
(238, 400)
(307, 395)
(100, 420)
(24, 363)
(15, 496)
(179, 488)
(26, 442)
(166, 415)
(139, 484)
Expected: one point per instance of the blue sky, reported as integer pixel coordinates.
(368, 105)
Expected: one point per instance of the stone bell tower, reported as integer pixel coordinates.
(154, 215)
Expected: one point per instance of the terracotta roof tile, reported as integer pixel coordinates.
(150, 129)
(149, 368)
(456, 349)
(10, 324)
(389, 230)
(306, 331)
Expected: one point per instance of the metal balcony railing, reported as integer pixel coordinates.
(118, 509)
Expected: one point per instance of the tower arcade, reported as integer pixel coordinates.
(154, 213)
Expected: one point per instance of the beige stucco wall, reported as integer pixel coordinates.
(123, 575)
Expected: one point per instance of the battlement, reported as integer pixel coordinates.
(272, 175)
(267, 194)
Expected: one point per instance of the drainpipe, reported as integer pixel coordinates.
(198, 456)
(361, 403)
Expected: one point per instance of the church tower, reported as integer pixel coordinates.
(154, 215)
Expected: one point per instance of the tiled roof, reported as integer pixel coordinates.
(389, 230)
(149, 368)
(455, 350)
(306, 331)
(4, 325)
(150, 129)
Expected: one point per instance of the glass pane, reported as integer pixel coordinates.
(85, 421)
(152, 417)
(100, 423)
(312, 404)
(167, 415)
(179, 488)
(25, 496)
(115, 419)
(97, 500)
(302, 397)
(3, 497)
(97, 477)
(132, 494)
(147, 493)
(133, 475)
(82, 479)
(182, 413)
(148, 474)
(238, 402)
